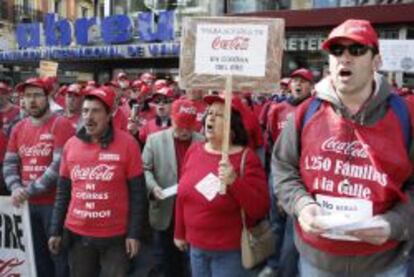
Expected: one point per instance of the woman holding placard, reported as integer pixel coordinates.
(207, 222)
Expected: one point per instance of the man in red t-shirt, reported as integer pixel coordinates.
(163, 156)
(31, 167)
(101, 193)
(9, 112)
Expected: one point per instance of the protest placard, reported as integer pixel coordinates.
(16, 248)
(48, 69)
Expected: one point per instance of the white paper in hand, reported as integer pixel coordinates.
(209, 186)
(170, 191)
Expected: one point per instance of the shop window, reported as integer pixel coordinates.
(325, 4)
(241, 6)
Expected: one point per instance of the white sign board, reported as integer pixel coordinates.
(16, 248)
(48, 69)
(231, 49)
(397, 55)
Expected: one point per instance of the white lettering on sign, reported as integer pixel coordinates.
(41, 149)
(101, 172)
(232, 49)
(355, 148)
(304, 43)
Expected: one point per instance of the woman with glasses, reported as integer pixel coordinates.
(208, 223)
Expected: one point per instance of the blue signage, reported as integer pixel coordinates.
(116, 29)
(127, 51)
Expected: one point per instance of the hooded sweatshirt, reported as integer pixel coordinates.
(294, 191)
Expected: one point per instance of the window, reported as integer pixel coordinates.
(325, 4)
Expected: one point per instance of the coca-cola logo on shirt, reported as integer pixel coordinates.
(102, 172)
(354, 148)
(236, 43)
(42, 149)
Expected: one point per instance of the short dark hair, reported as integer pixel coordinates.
(238, 133)
(92, 97)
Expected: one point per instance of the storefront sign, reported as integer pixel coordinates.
(144, 50)
(304, 43)
(397, 55)
(16, 248)
(116, 29)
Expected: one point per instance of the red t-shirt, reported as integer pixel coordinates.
(216, 224)
(11, 115)
(150, 128)
(3, 147)
(35, 145)
(181, 147)
(99, 200)
(120, 120)
(278, 114)
(74, 120)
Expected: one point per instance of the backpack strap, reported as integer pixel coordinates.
(400, 109)
(312, 108)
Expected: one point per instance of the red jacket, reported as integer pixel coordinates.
(216, 224)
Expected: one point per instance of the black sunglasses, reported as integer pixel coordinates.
(162, 100)
(354, 49)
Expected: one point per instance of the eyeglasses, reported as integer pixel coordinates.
(162, 101)
(355, 49)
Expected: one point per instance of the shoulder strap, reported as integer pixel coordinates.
(242, 167)
(312, 108)
(399, 107)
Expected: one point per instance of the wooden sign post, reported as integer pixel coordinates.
(48, 69)
(240, 53)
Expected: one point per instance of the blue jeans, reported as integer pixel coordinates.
(309, 270)
(47, 264)
(285, 259)
(205, 263)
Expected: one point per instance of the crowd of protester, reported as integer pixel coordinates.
(95, 161)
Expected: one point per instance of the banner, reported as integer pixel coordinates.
(245, 48)
(397, 55)
(16, 248)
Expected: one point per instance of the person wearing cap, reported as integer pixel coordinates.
(284, 261)
(31, 168)
(100, 202)
(206, 222)
(196, 96)
(162, 99)
(73, 104)
(140, 99)
(163, 157)
(9, 112)
(121, 109)
(347, 161)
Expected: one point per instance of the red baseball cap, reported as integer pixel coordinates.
(75, 89)
(285, 81)
(210, 99)
(184, 114)
(122, 75)
(164, 91)
(358, 30)
(105, 94)
(34, 82)
(4, 88)
(303, 73)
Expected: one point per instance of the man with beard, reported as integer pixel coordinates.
(31, 168)
(101, 193)
(163, 156)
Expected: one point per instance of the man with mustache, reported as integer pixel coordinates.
(100, 202)
(342, 167)
(31, 168)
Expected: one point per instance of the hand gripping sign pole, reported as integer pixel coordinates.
(240, 53)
